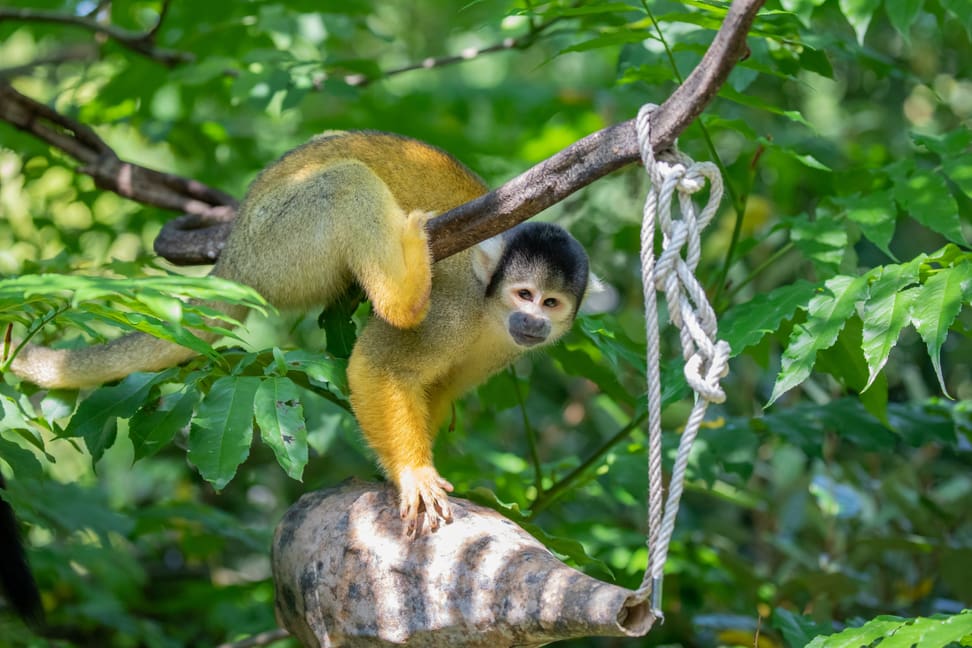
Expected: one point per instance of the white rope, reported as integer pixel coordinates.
(706, 358)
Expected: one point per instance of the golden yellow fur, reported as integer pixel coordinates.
(343, 208)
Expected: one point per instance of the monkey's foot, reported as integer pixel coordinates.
(423, 491)
(418, 260)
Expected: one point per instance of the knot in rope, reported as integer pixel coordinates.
(706, 359)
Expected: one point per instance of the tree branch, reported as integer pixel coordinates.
(553, 179)
(198, 236)
(599, 153)
(137, 42)
(100, 162)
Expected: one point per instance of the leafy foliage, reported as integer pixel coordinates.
(835, 481)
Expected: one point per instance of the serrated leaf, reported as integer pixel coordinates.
(902, 15)
(823, 240)
(826, 314)
(887, 311)
(925, 196)
(797, 630)
(280, 415)
(22, 461)
(339, 327)
(859, 14)
(930, 632)
(96, 416)
(946, 145)
(155, 424)
(865, 635)
(222, 431)
(959, 170)
(805, 159)
(746, 324)
(331, 373)
(937, 304)
(895, 632)
(755, 102)
(875, 214)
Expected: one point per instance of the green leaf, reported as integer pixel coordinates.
(859, 14)
(937, 305)
(156, 423)
(222, 431)
(331, 373)
(280, 415)
(747, 323)
(826, 314)
(845, 362)
(946, 145)
(925, 196)
(797, 630)
(875, 214)
(23, 462)
(958, 168)
(96, 416)
(755, 102)
(937, 631)
(895, 632)
(803, 9)
(902, 15)
(823, 240)
(962, 10)
(339, 326)
(887, 311)
(609, 40)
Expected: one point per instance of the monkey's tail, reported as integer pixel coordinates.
(97, 364)
(16, 581)
(94, 365)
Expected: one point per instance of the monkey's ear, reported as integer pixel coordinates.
(486, 256)
(600, 296)
(595, 285)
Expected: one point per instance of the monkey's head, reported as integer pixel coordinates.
(536, 275)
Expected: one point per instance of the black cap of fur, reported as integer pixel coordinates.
(16, 580)
(547, 249)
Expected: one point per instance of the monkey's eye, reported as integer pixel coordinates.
(525, 294)
(551, 302)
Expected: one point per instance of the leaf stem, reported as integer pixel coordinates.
(531, 434)
(546, 498)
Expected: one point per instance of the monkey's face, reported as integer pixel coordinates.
(535, 315)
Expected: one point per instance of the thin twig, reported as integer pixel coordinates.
(142, 43)
(549, 496)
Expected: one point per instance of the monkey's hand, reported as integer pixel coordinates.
(423, 490)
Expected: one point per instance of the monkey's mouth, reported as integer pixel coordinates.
(527, 340)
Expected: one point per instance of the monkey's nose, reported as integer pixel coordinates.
(527, 330)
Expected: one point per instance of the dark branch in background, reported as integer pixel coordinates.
(521, 42)
(103, 165)
(137, 42)
(199, 235)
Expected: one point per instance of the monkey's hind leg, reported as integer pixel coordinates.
(397, 272)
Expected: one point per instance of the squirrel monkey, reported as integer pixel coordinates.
(352, 207)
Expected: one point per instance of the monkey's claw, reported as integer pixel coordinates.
(423, 491)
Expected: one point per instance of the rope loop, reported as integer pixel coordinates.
(672, 173)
